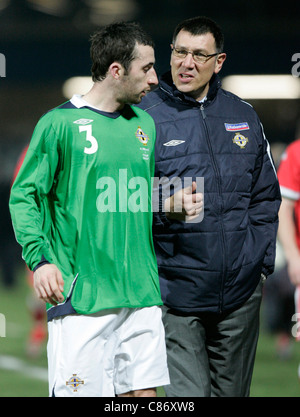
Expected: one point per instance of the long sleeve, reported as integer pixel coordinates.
(29, 199)
(265, 203)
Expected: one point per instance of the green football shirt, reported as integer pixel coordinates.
(82, 200)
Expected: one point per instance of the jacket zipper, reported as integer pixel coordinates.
(218, 178)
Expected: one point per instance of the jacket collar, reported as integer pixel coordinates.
(166, 84)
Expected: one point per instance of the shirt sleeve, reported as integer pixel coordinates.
(29, 204)
(289, 172)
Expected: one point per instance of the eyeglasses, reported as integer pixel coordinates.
(197, 56)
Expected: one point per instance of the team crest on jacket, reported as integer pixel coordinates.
(141, 136)
(240, 140)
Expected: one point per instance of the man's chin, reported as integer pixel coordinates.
(184, 88)
(136, 100)
(190, 91)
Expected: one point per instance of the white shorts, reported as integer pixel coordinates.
(107, 353)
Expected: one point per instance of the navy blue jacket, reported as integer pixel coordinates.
(214, 265)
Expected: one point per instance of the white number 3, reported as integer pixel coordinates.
(94, 144)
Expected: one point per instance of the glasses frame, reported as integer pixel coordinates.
(207, 57)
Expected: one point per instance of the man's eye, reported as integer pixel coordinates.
(199, 55)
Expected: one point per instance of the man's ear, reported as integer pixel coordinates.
(116, 70)
(219, 62)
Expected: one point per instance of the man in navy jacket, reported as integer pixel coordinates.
(211, 270)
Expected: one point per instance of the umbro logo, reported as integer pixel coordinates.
(174, 142)
(83, 121)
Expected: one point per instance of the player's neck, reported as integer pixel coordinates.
(102, 96)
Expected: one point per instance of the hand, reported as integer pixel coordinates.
(294, 270)
(184, 204)
(49, 284)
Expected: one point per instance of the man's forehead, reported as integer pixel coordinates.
(196, 41)
(144, 52)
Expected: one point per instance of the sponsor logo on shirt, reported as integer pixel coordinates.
(174, 142)
(235, 127)
(83, 121)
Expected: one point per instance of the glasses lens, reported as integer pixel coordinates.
(199, 58)
(180, 53)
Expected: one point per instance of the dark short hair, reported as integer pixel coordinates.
(116, 43)
(201, 25)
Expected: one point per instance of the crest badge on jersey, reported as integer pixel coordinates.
(141, 136)
(240, 140)
(75, 382)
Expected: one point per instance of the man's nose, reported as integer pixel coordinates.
(188, 60)
(153, 77)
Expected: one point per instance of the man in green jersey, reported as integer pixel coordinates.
(81, 209)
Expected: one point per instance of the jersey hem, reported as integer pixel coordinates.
(67, 309)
